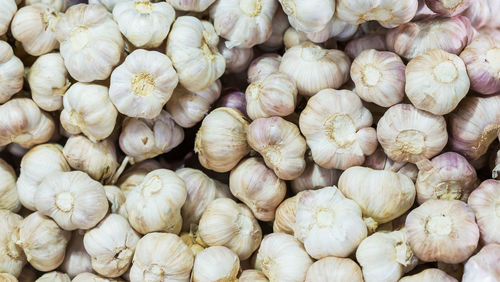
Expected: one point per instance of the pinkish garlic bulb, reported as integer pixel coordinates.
(263, 66)
(448, 8)
(484, 265)
(485, 202)
(233, 98)
(358, 45)
(380, 161)
(314, 177)
(429, 275)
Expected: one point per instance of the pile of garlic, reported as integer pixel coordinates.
(249, 140)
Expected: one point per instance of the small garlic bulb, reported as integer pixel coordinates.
(87, 276)
(192, 47)
(408, 134)
(161, 257)
(484, 265)
(354, 47)
(226, 223)
(237, 59)
(485, 202)
(335, 28)
(293, 38)
(334, 269)
(43, 241)
(337, 129)
(12, 258)
(132, 177)
(283, 258)
(116, 199)
(252, 275)
(314, 68)
(191, 5)
(253, 183)
(278, 28)
(156, 204)
(91, 43)
(379, 77)
(216, 263)
(284, 218)
(142, 85)
(76, 259)
(221, 141)
(388, 13)
(314, 177)
(9, 8)
(308, 16)
(11, 69)
(58, 5)
(9, 198)
(448, 8)
(54, 276)
(380, 161)
(441, 230)
(429, 275)
(261, 67)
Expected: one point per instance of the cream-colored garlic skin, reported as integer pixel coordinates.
(323, 219)
(226, 223)
(367, 42)
(192, 47)
(314, 68)
(54, 276)
(43, 241)
(335, 28)
(76, 259)
(39, 162)
(221, 141)
(193, 241)
(188, 108)
(258, 187)
(11, 70)
(237, 59)
(388, 13)
(337, 129)
(441, 230)
(87, 33)
(379, 77)
(308, 16)
(261, 67)
(283, 258)
(292, 38)
(216, 263)
(279, 25)
(7, 277)
(191, 5)
(449, 177)
(143, 84)
(9, 198)
(314, 177)
(408, 134)
(252, 275)
(132, 177)
(88, 110)
(448, 8)
(484, 265)
(116, 199)
(9, 8)
(156, 204)
(58, 5)
(429, 275)
(87, 276)
(334, 269)
(143, 23)
(12, 258)
(161, 257)
(284, 219)
(484, 201)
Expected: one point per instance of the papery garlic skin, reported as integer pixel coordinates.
(429, 275)
(216, 263)
(335, 28)
(12, 258)
(54, 276)
(484, 265)
(279, 25)
(143, 84)
(292, 38)
(388, 13)
(192, 47)
(87, 276)
(7, 277)
(314, 177)
(132, 177)
(252, 275)
(484, 201)
(237, 59)
(58, 5)
(308, 16)
(441, 230)
(88, 33)
(284, 219)
(334, 269)
(226, 223)
(314, 68)
(11, 70)
(193, 241)
(380, 161)
(9, 8)
(191, 5)
(116, 199)
(9, 198)
(161, 257)
(261, 67)
(448, 8)
(356, 46)
(337, 129)
(76, 259)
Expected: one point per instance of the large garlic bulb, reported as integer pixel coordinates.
(12, 258)
(429, 275)
(484, 265)
(334, 269)
(9, 198)
(216, 263)
(485, 201)
(388, 13)
(308, 16)
(11, 70)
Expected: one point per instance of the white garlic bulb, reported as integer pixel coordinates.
(308, 16)
(335, 28)
(108, 4)
(76, 259)
(484, 201)
(87, 276)
(11, 70)
(12, 258)
(252, 275)
(58, 5)
(9, 8)
(293, 38)
(261, 67)
(54, 276)
(278, 28)
(7, 277)
(116, 199)
(484, 265)
(9, 198)
(334, 269)
(429, 275)
(216, 263)
(388, 13)
(284, 219)
(191, 5)
(314, 177)
(237, 59)
(132, 177)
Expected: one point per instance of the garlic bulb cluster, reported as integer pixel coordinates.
(261, 67)
(388, 13)
(484, 201)
(308, 16)
(314, 177)
(483, 266)
(9, 199)
(429, 275)
(9, 8)
(76, 259)
(12, 258)
(334, 269)
(216, 263)
(11, 71)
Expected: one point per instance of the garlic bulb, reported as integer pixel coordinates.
(448, 8)
(380, 161)
(156, 204)
(132, 177)
(88, 33)
(192, 47)
(314, 177)
(284, 218)
(87, 276)
(143, 23)
(76, 259)
(479, 13)
(221, 141)
(193, 241)
(278, 28)
(323, 219)
(116, 199)
(252, 275)
(379, 77)
(88, 110)
(188, 108)
(408, 134)
(429, 275)
(12, 258)
(253, 183)
(335, 28)
(283, 258)
(314, 68)
(142, 85)
(483, 266)
(7, 277)
(337, 129)
(441, 230)
(161, 257)
(367, 42)
(108, 4)
(43, 241)
(390, 194)
(226, 223)
(11, 70)
(334, 269)
(191, 5)
(216, 263)
(484, 201)
(293, 38)
(308, 16)
(237, 59)
(9, 198)
(449, 177)
(54, 276)
(388, 13)
(58, 5)
(261, 67)
(143, 139)
(9, 8)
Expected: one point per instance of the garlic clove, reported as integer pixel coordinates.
(285, 216)
(429, 275)
(76, 259)
(261, 67)
(293, 37)
(12, 257)
(483, 266)
(11, 69)
(314, 177)
(216, 263)
(334, 269)
(116, 199)
(308, 16)
(335, 29)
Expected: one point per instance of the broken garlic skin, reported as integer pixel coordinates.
(216, 263)
(261, 67)
(448, 8)
(429, 275)
(12, 258)
(337, 129)
(11, 72)
(314, 177)
(9, 8)
(308, 16)
(9, 198)
(388, 13)
(484, 265)
(334, 269)
(485, 202)
(191, 5)
(76, 259)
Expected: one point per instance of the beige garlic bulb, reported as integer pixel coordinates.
(448, 8)
(261, 67)
(188, 108)
(258, 187)
(143, 138)
(334, 269)
(43, 241)
(335, 28)
(284, 219)
(314, 177)
(483, 266)
(292, 38)
(88, 110)
(7, 277)
(142, 85)
(132, 177)
(388, 13)
(379, 77)
(314, 68)
(58, 5)
(221, 141)
(191, 5)
(9, 198)
(88, 33)
(12, 258)
(283, 258)
(11, 70)
(237, 59)
(9, 8)
(408, 134)
(441, 230)
(216, 263)
(116, 199)
(161, 257)
(308, 16)
(380, 161)
(192, 47)
(252, 275)
(156, 204)
(337, 129)
(354, 47)
(484, 201)
(226, 223)
(279, 25)
(429, 275)
(87, 276)
(193, 241)
(76, 259)
(54, 276)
